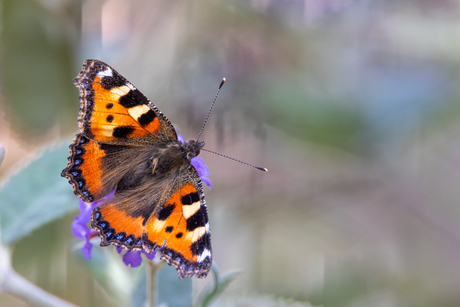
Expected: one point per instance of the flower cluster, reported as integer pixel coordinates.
(81, 231)
(79, 228)
(134, 258)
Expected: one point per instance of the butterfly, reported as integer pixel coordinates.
(128, 146)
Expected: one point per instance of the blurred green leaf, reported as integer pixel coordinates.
(111, 273)
(297, 113)
(36, 62)
(220, 284)
(261, 301)
(170, 290)
(36, 195)
(139, 293)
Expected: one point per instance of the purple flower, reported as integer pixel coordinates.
(199, 165)
(202, 170)
(134, 258)
(79, 228)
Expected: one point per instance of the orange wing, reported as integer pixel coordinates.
(178, 226)
(95, 169)
(84, 168)
(181, 228)
(116, 226)
(114, 115)
(112, 110)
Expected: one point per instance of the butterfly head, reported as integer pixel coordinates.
(192, 148)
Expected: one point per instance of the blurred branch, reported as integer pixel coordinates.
(150, 295)
(12, 282)
(152, 268)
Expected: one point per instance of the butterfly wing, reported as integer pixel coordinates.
(114, 117)
(117, 225)
(181, 227)
(84, 169)
(174, 218)
(112, 110)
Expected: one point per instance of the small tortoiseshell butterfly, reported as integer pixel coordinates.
(126, 144)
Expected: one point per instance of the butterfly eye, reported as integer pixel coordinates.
(193, 154)
(192, 148)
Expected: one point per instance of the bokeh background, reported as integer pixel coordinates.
(352, 105)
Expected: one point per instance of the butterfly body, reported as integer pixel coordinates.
(127, 146)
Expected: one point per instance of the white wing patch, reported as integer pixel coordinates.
(105, 73)
(193, 236)
(137, 111)
(206, 253)
(121, 91)
(190, 210)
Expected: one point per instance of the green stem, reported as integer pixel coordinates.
(150, 297)
(21, 287)
(13, 283)
(151, 272)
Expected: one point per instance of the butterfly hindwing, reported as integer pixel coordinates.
(180, 226)
(154, 216)
(112, 110)
(84, 170)
(95, 169)
(116, 227)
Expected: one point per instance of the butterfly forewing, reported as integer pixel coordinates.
(112, 110)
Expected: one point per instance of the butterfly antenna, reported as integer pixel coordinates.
(225, 156)
(212, 105)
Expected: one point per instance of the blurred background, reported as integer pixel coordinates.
(352, 105)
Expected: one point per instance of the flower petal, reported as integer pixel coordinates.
(151, 255)
(79, 230)
(202, 170)
(87, 249)
(207, 181)
(85, 212)
(134, 258)
(199, 165)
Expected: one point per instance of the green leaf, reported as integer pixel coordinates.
(139, 293)
(261, 301)
(170, 290)
(108, 269)
(220, 284)
(38, 45)
(36, 195)
(314, 120)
